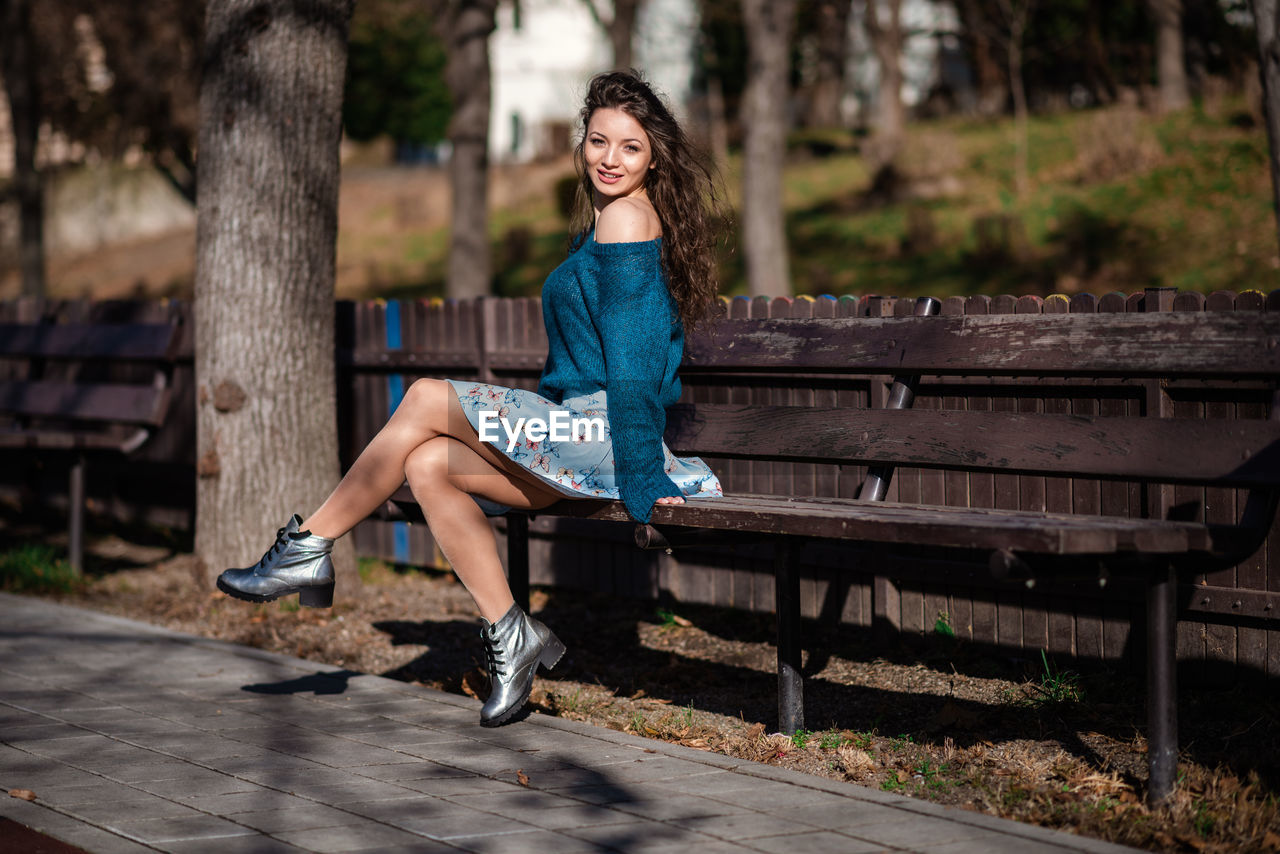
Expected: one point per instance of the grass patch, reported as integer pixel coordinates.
(1118, 200)
(37, 569)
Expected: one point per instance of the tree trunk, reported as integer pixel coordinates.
(1267, 21)
(622, 32)
(1170, 66)
(828, 84)
(991, 92)
(1021, 168)
(267, 222)
(620, 27)
(768, 28)
(470, 268)
(891, 118)
(18, 57)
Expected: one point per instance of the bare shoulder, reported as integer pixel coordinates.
(628, 221)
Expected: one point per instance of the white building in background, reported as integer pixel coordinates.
(544, 52)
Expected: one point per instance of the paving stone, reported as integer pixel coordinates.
(145, 772)
(93, 839)
(381, 766)
(131, 810)
(416, 770)
(391, 810)
(357, 837)
(308, 817)
(256, 844)
(524, 842)
(679, 809)
(46, 775)
(444, 786)
(652, 838)
(200, 783)
(919, 833)
(840, 816)
(97, 791)
(442, 820)
(997, 844)
(355, 789)
(579, 815)
(237, 802)
(153, 831)
(817, 842)
(745, 825)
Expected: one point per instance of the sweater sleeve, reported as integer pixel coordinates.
(635, 317)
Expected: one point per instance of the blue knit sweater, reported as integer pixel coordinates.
(613, 325)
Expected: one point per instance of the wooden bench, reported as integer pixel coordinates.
(79, 389)
(1141, 364)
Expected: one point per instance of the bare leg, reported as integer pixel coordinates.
(444, 473)
(430, 409)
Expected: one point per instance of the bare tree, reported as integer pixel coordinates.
(1267, 21)
(1171, 67)
(1017, 13)
(990, 80)
(619, 26)
(468, 26)
(21, 86)
(832, 38)
(270, 124)
(886, 41)
(764, 115)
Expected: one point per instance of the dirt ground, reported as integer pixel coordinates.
(1022, 739)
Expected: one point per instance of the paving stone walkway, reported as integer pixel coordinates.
(139, 739)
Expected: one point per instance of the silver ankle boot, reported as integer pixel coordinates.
(298, 562)
(514, 646)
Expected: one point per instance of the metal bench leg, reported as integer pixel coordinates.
(75, 494)
(518, 558)
(790, 683)
(1162, 707)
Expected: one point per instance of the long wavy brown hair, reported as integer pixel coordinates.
(683, 187)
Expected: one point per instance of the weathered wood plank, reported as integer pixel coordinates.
(141, 341)
(1128, 344)
(1233, 452)
(90, 402)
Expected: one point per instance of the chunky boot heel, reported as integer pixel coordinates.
(316, 597)
(298, 562)
(552, 653)
(514, 647)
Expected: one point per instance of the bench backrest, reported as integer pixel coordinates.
(1140, 358)
(66, 372)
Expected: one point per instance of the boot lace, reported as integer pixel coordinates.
(493, 655)
(276, 548)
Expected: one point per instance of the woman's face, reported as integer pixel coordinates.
(617, 153)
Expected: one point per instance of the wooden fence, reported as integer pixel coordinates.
(1227, 617)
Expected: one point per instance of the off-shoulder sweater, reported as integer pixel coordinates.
(612, 324)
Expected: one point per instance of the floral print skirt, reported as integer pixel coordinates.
(573, 452)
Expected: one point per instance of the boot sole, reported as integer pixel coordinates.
(550, 657)
(311, 596)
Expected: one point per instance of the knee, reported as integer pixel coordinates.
(425, 396)
(428, 464)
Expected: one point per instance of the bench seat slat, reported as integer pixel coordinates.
(1236, 452)
(916, 524)
(55, 440)
(130, 341)
(1187, 344)
(99, 402)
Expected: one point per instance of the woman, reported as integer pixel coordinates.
(640, 268)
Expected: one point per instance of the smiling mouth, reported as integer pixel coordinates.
(608, 177)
